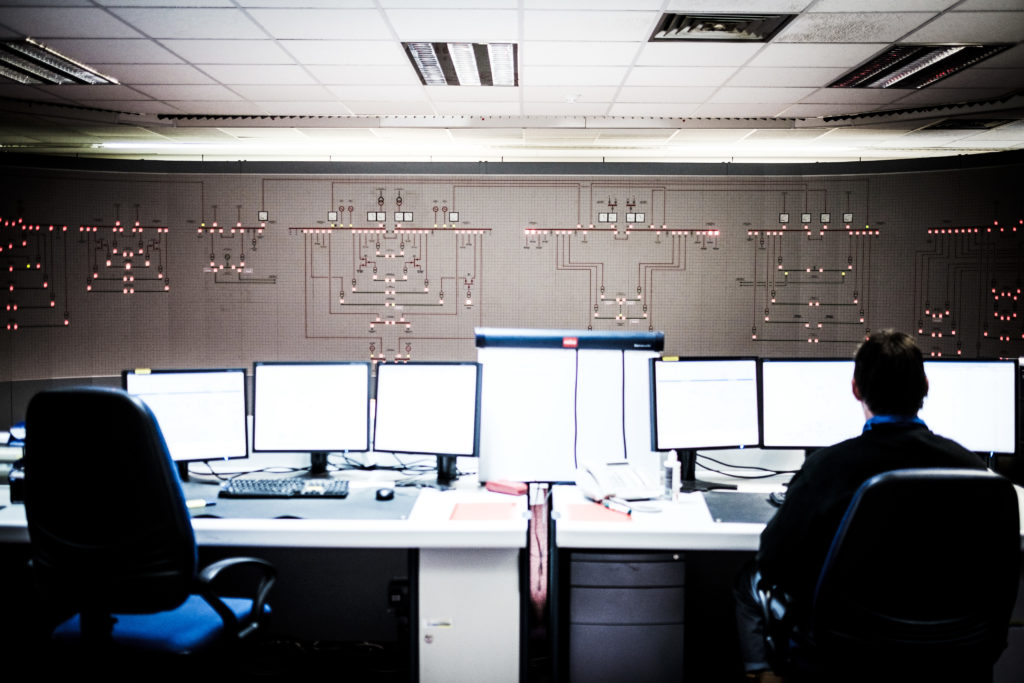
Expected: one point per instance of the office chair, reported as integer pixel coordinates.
(918, 584)
(111, 537)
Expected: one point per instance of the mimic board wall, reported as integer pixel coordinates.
(107, 269)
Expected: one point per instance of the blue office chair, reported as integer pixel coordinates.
(919, 583)
(111, 537)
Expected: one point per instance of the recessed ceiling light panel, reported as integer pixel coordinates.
(29, 62)
(758, 28)
(465, 63)
(915, 66)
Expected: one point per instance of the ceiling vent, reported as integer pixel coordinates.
(465, 63)
(758, 28)
(915, 66)
(31, 63)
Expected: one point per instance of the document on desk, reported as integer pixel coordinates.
(595, 512)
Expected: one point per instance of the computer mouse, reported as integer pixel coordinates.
(385, 494)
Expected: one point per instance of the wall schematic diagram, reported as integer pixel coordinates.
(34, 257)
(120, 262)
(389, 281)
(233, 247)
(968, 291)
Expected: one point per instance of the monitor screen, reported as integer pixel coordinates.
(428, 408)
(704, 403)
(311, 407)
(973, 402)
(200, 412)
(808, 403)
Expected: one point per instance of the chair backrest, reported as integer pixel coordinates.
(109, 528)
(923, 571)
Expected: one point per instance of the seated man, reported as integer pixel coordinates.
(889, 381)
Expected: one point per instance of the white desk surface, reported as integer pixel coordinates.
(429, 525)
(682, 525)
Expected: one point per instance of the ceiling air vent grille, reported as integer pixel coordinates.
(759, 28)
(31, 63)
(915, 66)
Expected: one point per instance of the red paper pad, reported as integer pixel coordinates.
(595, 512)
(479, 512)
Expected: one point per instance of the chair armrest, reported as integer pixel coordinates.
(776, 609)
(267, 577)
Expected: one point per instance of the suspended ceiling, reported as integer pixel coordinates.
(329, 80)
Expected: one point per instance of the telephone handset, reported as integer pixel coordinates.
(615, 480)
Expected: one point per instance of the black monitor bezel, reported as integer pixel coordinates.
(255, 398)
(762, 361)
(655, 446)
(476, 407)
(169, 371)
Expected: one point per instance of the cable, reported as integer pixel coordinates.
(768, 473)
(746, 467)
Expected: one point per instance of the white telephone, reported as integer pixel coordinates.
(615, 480)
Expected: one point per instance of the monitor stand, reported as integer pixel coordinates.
(182, 470)
(447, 472)
(318, 462)
(690, 483)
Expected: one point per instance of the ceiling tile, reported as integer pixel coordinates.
(571, 75)
(846, 55)
(760, 6)
(478, 108)
(97, 92)
(564, 53)
(304, 108)
(974, 5)
(473, 93)
(322, 24)
(808, 77)
(444, 25)
(283, 93)
(228, 51)
(880, 5)
(534, 93)
(738, 110)
(851, 28)
(200, 93)
(591, 4)
(346, 52)
(215, 108)
(65, 22)
(667, 94)
(153, 74)
(760, 95)
(565, 109)
(696, 54)
(379, 93)
(389, 108)
(137, 106)
(669, 109)
(120, 51)
(679, 76)
(367, 75)
(982, 27)
(817, 110)
(851, 96)
(948, 95)
(1010, 59)
(163, 3)
(1005, 79)
(269, 74)
(589, 25)
(180, 22)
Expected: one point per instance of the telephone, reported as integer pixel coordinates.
(615, 480)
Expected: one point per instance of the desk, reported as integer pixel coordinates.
(467, 615)
(614, 564)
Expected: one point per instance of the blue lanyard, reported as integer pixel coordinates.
(893, 419)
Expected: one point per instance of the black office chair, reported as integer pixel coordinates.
(111, 537)
(918, 585)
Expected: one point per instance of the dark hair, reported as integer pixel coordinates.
(889, 372)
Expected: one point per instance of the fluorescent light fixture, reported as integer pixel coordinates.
(464, 63)
(26, 61)
(757, 28)
(915, 66)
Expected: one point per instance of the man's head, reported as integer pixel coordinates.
(888, 374)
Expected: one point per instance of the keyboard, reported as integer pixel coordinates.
(284, 488)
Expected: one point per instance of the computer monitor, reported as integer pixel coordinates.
(429, 408)
(808, 403)
(702, 403)
(200, 412)
(314, 407)
(973, 402)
